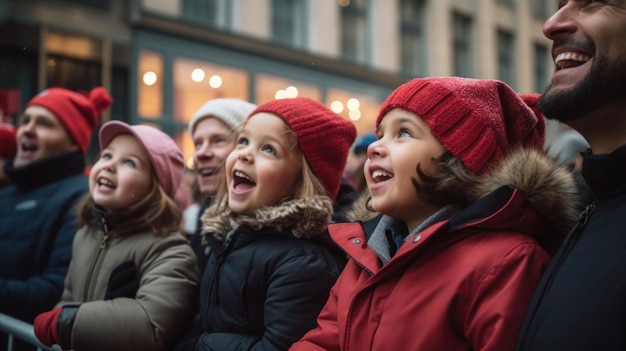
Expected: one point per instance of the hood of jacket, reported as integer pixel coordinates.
(547, 186)
(303, 218)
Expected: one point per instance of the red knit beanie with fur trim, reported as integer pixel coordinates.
(323, 136)
(477, 120)
(78, 114)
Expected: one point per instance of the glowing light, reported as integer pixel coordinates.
(336, 106)
(281, 94)
(215, 81)
(291, 91)
(343, 3)
(149, 78)
(197, 75)
(355, 115)
(353, 104)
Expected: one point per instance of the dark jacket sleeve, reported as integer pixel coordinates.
(41, 292)
(296, 293)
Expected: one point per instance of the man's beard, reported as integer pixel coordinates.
(603, 84)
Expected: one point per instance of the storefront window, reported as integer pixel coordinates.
(196, 82)
(361, 109)
(269, 87)
(150, 87)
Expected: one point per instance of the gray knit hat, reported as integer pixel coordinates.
(231, 112)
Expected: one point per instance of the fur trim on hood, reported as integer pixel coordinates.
(304, 218)
(547, 186)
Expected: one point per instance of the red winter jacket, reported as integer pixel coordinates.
(461, 284)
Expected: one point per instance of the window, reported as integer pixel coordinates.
(461, 44)
(195, 83)
(271, 87)
(542, 55)
(354, 30)
(212, 13)
(412, 47)
(289, 22)
(361, 109)
(506, 54)
(540, 8)
(150, 85)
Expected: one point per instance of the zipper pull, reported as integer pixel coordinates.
(584, 216)
(105, 238)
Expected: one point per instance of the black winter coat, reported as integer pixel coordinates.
(265, 288)
(580, 303)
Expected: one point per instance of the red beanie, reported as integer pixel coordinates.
(8, 141)
(76, 112)
(477, 120)
(323, 136)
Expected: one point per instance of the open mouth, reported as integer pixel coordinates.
(380, 176)
(570, 59)
(104, 182)
(29, 147)
(242, 181)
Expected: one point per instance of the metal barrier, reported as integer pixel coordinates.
(16, 328)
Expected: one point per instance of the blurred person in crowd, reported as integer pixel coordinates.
(211, 129)
(8, 148)
(580, 303)
(265, 287)
(353, 172)
(470, 211)
(133, 276)
(36, 211)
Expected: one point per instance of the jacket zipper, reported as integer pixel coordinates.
(95, 267)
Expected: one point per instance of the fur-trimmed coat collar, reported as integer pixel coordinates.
(303, 218)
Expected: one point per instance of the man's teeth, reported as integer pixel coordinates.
(570, 56)
(379, 175)
(207, 172)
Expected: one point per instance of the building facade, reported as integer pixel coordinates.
(162, 59)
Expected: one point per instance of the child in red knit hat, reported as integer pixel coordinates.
(133, 276)
(467, 209)
(265, 287)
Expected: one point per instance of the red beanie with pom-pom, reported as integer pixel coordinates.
(78, 114)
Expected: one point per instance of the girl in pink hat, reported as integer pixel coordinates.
(465, 212)
(133, 277)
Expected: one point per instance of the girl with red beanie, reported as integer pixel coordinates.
(132, 274)
(264, 289)
(467, 210)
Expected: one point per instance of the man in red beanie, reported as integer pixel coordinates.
(36, 211)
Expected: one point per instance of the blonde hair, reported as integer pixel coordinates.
(157, 212)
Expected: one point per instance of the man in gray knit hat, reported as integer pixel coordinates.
(211, 129)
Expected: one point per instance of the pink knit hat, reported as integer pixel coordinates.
(78, 114)
(323, 136)
(165, 156)
(477, 120)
